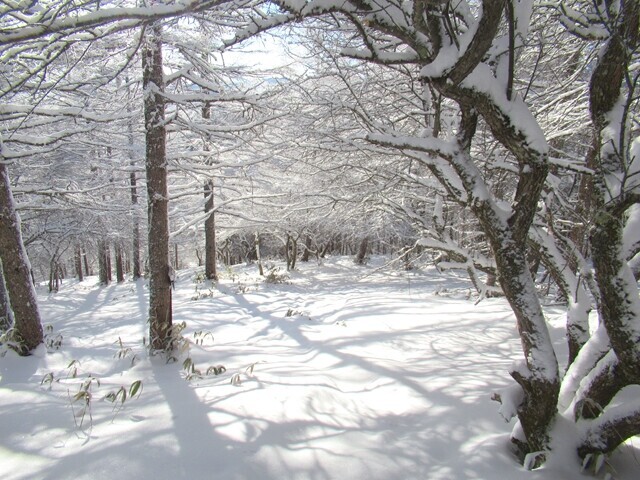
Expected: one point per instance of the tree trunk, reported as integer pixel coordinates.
(325, 248)
(307, 249)
(287, 251)
(107, 256)
(538, 376)
(618, 291)
(210, 252)
(362, 251)
(22, 294)
(562, 260)
(54, 275)
(126, 262)
(293, 253)
(538, 373)
(406, 259)
(137, 270)
(77, 261)
(133, 186)
(160, 313)
(103, 264)
(85, 260)
(119, 263)
(210, 270)
(258, 255)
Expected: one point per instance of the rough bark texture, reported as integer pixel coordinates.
(160, 314)
(209, 233)
(15, 263)
(618, 291)
(540, 381)
(540, 377)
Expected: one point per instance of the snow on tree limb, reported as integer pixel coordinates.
(617, 423)
(89, 15)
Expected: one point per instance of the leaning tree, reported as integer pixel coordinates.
(466, 53)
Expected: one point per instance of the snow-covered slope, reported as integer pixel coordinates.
(345, 372)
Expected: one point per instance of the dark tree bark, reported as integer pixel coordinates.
(107, 256)
(160, 312)
(209, 233)
(210, 250)
(119, 263)
(103, 262)
(17, 274)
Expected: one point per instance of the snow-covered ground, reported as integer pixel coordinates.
(343, 373)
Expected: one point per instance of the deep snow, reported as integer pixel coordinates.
(344, 373)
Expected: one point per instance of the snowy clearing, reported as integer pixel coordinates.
(344, 372)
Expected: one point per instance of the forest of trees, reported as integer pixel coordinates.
(500, 137)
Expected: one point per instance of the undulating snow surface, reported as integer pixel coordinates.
(358, 373)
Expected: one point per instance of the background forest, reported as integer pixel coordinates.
(498, 138)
